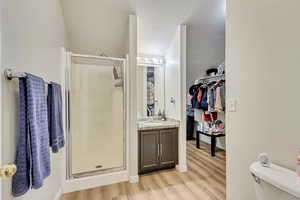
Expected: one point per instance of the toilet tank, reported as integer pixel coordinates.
(275, 182)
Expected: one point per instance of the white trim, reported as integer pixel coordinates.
(182, 128)
(63, 85)
(134, 179)
(68, 58)
(94, 181)
(97, 57)
(181, 168)
(133, 134)
(71, 185)
(150, 65)
(144, 97)
(1, 63)
(58, 194)
(127, 106)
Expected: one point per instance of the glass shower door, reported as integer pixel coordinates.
(96, 117)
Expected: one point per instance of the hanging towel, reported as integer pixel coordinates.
(32, 155)
(54, 100)
(218, 104)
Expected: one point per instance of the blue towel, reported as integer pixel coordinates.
(33, 154)
(57, 140)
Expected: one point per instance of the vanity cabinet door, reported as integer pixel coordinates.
(149, 151)
(168, 148)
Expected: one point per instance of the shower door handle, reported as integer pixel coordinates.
(69, 112)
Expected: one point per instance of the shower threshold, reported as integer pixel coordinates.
(97, 172)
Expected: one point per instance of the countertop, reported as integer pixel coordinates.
(157, 124)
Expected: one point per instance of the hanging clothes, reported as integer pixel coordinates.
(203, 104)
(193, 91)
(223, 96)
(194, 101)
(199, 96)
(208, 96)
(211, 99)
(218, 105)
(209, 116)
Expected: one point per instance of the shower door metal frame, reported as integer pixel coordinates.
(69, 173)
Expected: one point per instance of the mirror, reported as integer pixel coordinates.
(151, 90)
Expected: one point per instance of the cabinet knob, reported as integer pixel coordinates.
(8, 170)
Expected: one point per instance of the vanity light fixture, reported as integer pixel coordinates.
(150, 60)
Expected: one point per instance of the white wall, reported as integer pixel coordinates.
(96, 27)
(205, 50)
(172, 77)
(205, 38)
(175, 86)
(132, 71)
(262, 63)
(32, 37)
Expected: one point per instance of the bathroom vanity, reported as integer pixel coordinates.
(158, 146)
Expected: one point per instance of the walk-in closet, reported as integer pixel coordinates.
(206, 107)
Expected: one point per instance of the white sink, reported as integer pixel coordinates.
(153, 123)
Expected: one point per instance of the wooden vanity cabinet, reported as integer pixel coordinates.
(158, 149)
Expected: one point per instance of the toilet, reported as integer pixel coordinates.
(275, 182)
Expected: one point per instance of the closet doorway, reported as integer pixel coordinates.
(205, 96)
(206, 148)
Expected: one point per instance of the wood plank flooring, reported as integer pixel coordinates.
(205, 180)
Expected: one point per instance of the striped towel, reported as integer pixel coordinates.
(33, 154)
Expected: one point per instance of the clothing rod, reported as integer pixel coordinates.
(97, 57)
(11, 74)
(211, 77)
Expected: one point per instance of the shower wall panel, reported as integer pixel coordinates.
(97, 119)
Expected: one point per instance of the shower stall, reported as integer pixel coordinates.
(96, 113)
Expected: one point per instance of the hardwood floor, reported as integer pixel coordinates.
(205, 180)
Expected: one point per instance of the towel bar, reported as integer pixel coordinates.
(10, 74)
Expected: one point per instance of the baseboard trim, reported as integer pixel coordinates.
(94, 181)
(58, 194)
(134, 179)
(181, 168)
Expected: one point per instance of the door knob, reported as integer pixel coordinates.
(8, 170)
